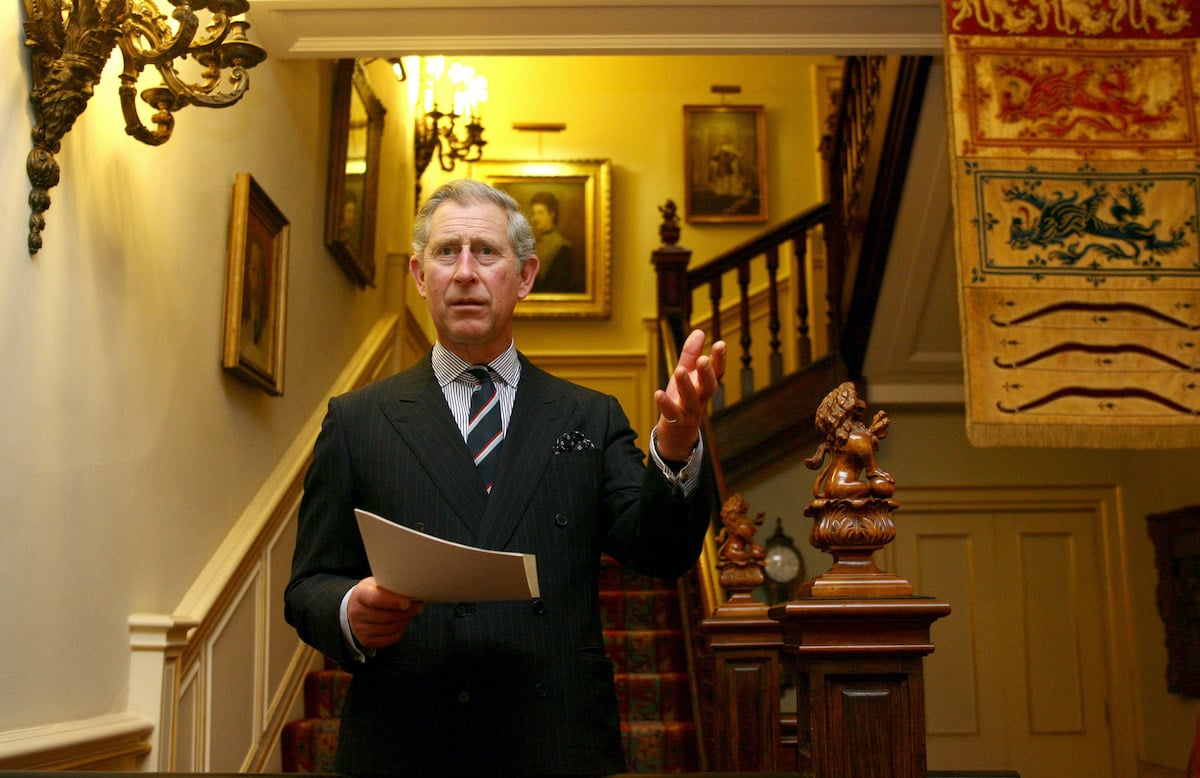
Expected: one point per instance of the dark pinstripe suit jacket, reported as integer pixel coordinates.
(491, 688)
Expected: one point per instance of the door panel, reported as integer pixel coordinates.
(1019, 678)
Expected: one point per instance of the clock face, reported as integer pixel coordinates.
(782, 564)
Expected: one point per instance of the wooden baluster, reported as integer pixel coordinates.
(849, 139)
(776, 359)
(747, 370)
(840, 162)
(835, 275)
(714, 295)
(800, 276)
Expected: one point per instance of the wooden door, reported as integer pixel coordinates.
(1020, 678)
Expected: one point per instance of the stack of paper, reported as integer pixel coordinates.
(430, 569)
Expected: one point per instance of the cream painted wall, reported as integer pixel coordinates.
(929, 448)
(629, 109)
(126, 452)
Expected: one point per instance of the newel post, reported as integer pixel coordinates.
(857, 635)
(745, 644)
(670, 265)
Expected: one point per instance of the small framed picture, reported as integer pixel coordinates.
(255, 287)
(1176, 538)
(725, 163)
(568, 204)
(355, 140)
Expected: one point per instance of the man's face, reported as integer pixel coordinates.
(470, 279)
(540, 218)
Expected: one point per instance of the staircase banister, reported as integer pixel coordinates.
(903, 116)
(799, 224)
(740, 659)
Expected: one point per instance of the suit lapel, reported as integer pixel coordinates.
(419, 414)
(537, 420)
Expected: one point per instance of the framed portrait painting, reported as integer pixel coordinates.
(355, 137)
(569, 207)
(725, 163)
(255, 287)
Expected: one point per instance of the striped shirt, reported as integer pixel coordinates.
(458, 385)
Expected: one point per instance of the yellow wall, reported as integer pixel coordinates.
(629, 110)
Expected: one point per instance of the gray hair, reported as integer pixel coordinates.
(468, 191)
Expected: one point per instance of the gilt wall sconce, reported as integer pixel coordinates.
(70, 43)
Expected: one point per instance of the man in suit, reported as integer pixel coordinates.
(490, 688)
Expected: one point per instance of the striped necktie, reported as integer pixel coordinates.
(485, 432)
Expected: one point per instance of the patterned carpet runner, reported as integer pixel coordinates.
(643, 635)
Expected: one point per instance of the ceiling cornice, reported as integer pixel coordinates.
(333, 28)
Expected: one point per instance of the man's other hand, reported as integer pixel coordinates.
(378, 617)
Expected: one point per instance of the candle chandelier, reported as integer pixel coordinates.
(70, 42)
(436, 133)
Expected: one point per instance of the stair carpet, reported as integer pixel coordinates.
(642, 634)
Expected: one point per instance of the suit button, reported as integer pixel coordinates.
(464, 697)
(539, 691)
(539, 607)
(561, 520)
(461, 610)
(419, 526)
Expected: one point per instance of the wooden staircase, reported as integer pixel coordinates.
(772, 399)
(839, 248)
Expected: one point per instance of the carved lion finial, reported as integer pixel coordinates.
(850, 446)
(739, 558)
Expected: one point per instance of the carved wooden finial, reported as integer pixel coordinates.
(739, 558)
(668, 231)
(852, 512)
(851, 447)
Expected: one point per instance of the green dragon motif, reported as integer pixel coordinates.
(1075, 227)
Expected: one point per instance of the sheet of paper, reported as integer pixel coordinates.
(434, 570)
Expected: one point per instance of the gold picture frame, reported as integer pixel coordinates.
(255, 287)
(569, 204)
(351, 200)
(725, 163)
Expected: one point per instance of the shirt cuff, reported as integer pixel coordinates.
(688, 476)
(348, 634)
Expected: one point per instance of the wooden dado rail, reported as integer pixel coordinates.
(211, 684)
